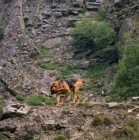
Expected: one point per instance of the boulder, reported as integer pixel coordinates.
(112, 104)
(92, 5)
(14, 110)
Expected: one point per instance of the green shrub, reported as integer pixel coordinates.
(126, 80)
(96, 72)
(44, 50)
(83, 33)
(101, 13)
(78, 56)
(4, 138)
(2, 27)
(59, 137)
(40, 99)
(56, 127)
(28, 31)
(96, 121)
(20, 97)
(110, 53)
(87, 33)
(136, 24)
(132, 123)
(50, 101)
(47, 66)
(87, 87)
(36, 138)
(1, 99)
(125, 132)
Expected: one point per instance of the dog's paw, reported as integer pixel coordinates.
(61, 103)
(72, 102)
(57, 105)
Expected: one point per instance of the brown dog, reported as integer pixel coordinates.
(65, 86)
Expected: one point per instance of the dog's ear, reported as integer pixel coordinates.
(54, 85)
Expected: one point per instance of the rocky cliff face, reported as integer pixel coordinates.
(47, 20)
(123, 15)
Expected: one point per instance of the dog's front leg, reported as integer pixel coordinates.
(65, 98)
(58, 99)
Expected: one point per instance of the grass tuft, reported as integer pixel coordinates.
(46, 66)
(28, 31)
(20, 97)
(40, 99)
(44, 50)
(66, 72)
(59, 137)
(96, 72)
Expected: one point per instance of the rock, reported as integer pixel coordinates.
(135, 109)
(135, 99)
(1, 112)
(46, 13)
(14, 110)
(112, 104)
(58, 14)
(45, 85)
(8, 125)
(53, 42)
(71, 22)
(83, 64)
(92, 5)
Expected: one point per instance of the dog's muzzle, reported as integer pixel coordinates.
(53, 92)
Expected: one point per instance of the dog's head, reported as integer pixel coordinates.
(54, 87)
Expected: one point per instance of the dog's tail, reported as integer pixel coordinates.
(91, 82)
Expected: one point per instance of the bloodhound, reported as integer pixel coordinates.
(65, 87)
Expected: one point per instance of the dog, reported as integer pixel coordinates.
(65, 87)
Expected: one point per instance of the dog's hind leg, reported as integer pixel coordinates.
(76, 88)
(79, 97)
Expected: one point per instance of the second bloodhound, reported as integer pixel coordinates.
(65, 87)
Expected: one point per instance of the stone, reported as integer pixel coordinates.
(45, 84)
(14, 110)
(92, 5)
(135, 99)
(112, 104)
(53, 42)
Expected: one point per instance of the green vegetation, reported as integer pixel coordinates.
(101, 120)
(96, 72)
(101, 14)
(59, 137)
(78, 56)
(87, 87)
(126, 80)
(40, 99)
(20, 97)
(56, 127)
(28, 31)
(90, 34)
(44, 53)
(96, 121)
(2, 27)
(46, 66)
(4, 138)
(130, 130)
(1, 99)
(66, 72)
(136, 24)
(36, 138)
(44, 50)
(109, 52)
